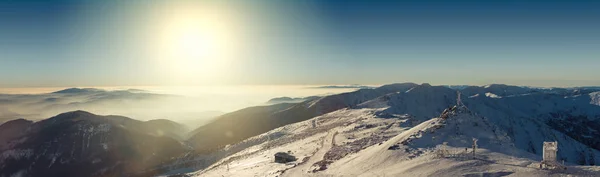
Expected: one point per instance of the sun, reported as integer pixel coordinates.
(197, 42)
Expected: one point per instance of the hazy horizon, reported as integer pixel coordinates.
(173, 103)
(195, 90)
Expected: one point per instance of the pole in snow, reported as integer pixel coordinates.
(474, 146)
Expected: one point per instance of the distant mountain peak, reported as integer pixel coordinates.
(73, 115)
(77, 90)
(291, 100)
(397, 86)
(495, 85)
(79, 112)
(16, 122)
(357, 86)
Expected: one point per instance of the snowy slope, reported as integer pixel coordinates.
(510, 122)
(239, 125)
(497, 89)
(421, 102)
(595, 98)
(334, 136)
(534, 118)
(344, 100)
(418, 148)
(327, 149)
(529, 119)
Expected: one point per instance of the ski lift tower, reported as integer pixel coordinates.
(458, 100)
(460, 106)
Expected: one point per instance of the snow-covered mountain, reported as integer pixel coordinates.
(497, 89)
(533, 118)
(509, 121)
(290, 100)
(529, 117)
(393, 130)
(356, 142)
(239, 125)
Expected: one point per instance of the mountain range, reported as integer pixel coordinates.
(134, 103)
(372, 128)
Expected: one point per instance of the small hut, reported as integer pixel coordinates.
(282, 157)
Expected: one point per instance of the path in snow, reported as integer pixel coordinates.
(306, 167)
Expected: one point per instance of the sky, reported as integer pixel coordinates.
(190, 43)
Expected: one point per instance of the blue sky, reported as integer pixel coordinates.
(538, 43)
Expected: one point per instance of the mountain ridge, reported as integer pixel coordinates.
(93, 145)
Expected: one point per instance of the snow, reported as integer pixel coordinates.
(16, 154)
(491, 95)
(595, 98)
(498, 89)
(104, 146)
(309, 145)
(20, 173)
(510, 123)
(496, 157)
(103, 128)
(494, 164)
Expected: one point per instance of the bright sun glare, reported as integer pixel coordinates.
(197, 42)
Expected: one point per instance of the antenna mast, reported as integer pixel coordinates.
(458, 101)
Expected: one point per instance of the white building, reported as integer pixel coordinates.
(549, 156)
(550, 150)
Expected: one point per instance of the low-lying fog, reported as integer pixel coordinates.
(188, 105)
